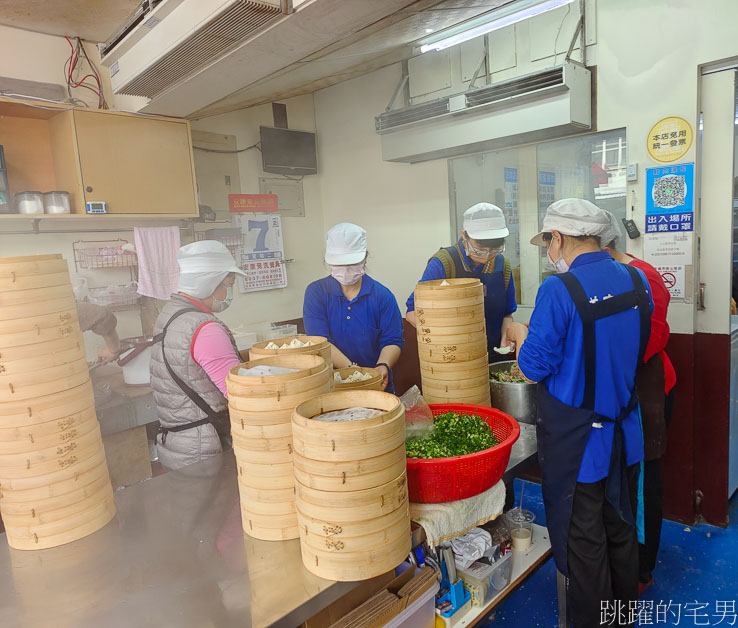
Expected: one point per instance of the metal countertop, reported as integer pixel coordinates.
(175, 555)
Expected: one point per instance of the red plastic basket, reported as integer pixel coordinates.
(458, 477)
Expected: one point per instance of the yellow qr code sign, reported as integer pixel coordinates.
(669, 139)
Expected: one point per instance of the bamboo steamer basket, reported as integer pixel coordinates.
(32, 443)
(321, 536)
(350, 529)
(445, 317)
(340, 506)
(36, 323)
(23, 386)
(13, 310)
(60, 532)
(260, 411)
(449, 392)
(445, 371)
(480, 399)
(47, 429)
(32, 282)
(37, 335)
(50, 294)
(473, 381)
(58, 484)
(348, 476)
(63, 406)
(32, 265)
(440, 354)
(460, 327)
(13, 358)
(321, 347)
(462, 338)
(53, 358)
(454, 290)
(375, 383)
(352, 566)
(51, 461)
(27, 460)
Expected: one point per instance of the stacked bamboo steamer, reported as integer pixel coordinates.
(351, 486)
(260, 410)
(452, 341)
(320, 346)
(373, 383)
(54, 483)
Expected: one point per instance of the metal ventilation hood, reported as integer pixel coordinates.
(535, 107)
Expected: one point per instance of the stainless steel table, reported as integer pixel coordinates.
(175, 555)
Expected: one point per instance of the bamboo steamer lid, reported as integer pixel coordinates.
(375, 383)
(390, 527)
(58, 484)
(26, 386)
(310, 368)
(320, 347)
(352, 505)
(448, 289)
(352, 566)
(333, 478)
(36, 323)
(33, 443)
(53, 534)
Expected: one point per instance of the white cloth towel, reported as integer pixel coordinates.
(470, 547)
(443, 522)
(158, 271)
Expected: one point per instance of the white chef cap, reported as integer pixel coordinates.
(345, 243)
(485, 221)
(574, 217)
(613, 232)
(203, 266)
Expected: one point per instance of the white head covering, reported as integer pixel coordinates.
(613, 232)
(574, 217)
(202, 266)
(345, 243)
(485, 221)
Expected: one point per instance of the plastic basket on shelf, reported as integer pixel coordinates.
(115, 295)
(438, 480)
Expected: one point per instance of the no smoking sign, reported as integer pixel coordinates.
(673, 278)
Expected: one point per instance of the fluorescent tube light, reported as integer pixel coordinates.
(507, 15)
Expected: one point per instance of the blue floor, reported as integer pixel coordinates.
(697, 575)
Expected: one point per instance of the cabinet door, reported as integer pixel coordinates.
(136, 165)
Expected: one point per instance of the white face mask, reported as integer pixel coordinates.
(348, 275)
(219, 306)
(560, 265)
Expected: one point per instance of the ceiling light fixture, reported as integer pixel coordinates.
(509, 14)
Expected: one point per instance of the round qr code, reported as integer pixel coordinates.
(669, 191)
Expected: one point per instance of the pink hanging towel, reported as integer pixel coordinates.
(158, 271)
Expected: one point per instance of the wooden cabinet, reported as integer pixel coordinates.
(136, 164)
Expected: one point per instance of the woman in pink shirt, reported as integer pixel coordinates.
(192, 354)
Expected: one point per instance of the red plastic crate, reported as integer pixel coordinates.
(447, 479)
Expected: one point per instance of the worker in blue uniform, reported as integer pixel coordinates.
(357, 314)
(588, 333)
(479, 254)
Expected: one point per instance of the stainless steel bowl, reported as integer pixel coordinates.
(516, 399)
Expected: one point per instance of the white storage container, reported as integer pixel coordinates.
(56, 202)
(30, 202)
(420, 614)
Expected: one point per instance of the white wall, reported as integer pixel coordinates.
(404, 208)
(303, 236)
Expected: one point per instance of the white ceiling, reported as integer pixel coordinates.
(387, 41)
(94, 20)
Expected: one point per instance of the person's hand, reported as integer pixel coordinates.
(385, 375)
(515, 335)
(105, 356)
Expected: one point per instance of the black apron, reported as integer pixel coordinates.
(218, 419)
(563, 430)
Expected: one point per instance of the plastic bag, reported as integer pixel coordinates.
(418, 415)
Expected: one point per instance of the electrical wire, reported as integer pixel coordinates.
(228, 152)
(73, 65)
(556, 41)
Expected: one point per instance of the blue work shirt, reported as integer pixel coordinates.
(360, 328)
(435, 270)
(552, 354)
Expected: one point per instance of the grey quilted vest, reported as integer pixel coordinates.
(174, 407)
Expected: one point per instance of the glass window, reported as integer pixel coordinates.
(524, 181)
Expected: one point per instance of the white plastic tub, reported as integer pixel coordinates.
(420, 614)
